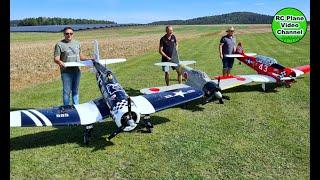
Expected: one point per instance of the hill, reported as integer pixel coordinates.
(39, 21)
(230, 18)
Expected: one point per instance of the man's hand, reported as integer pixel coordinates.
(61, 64)
(169, 58)
(221, 56)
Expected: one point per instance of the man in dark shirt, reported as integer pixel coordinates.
(168, 43)
(227, 46)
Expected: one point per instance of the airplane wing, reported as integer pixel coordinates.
(155, 102)
(82, 114)
(152, 90)
(233, 81)
(89, 62)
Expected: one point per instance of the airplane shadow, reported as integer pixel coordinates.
(270, 88)
(194, 106)
(73, 134)
(24, 108)
(132, 92)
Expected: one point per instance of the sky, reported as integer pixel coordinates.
(146, 11)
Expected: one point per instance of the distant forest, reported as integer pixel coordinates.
(230, 18)
(55, 21)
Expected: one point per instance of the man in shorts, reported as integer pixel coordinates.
(227, 46)
(167, 46)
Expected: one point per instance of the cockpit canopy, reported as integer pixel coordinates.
(266, 60)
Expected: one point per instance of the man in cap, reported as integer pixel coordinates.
(227, 46)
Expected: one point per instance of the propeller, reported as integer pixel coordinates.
(220, 99)
(213, 94)
(127, 120)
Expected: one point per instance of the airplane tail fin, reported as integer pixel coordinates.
(239, 49)
(175, 56)
(96, 53)
(240, 52)
(96, 50)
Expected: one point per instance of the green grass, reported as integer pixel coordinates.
(255, 135)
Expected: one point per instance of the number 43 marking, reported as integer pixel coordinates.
(263, 67)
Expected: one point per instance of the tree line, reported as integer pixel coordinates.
(230, 18)
(39, 21)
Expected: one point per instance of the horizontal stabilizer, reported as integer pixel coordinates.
(305, 68)
(239, 55)
(250, 54)
(89, 62)
(166, 64)
(187, 62)
(287, 78)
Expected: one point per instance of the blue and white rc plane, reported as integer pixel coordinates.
(125, 111)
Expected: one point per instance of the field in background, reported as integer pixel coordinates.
(254, 135)
(31, 54)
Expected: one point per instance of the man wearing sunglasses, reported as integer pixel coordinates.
(227, 46)
(69, 50)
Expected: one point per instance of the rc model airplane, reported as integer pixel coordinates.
(125, 111)
(268, 69)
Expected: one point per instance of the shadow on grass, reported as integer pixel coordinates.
(132, 92)
(194, 106)
(73, 134)
(270, 88)
(18, 108)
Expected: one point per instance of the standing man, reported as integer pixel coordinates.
(69, 50)
(227, 46)
(168, 43)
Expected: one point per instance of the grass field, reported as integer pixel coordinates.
(255, 135)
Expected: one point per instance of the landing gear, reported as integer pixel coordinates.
(148, 124)
(263, 86)
(87, 134)
(288, 85)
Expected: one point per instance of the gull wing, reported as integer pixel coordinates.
(82, 114)
(150, 103)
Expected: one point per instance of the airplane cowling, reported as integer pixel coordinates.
(121, 115)
(212, 88)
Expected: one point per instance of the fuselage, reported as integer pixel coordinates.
(114, 95)
(200, 80)
(267, 66)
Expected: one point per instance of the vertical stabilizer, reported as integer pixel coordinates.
(96, 50)
(175, 55)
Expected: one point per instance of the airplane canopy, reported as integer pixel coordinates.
(266, 60)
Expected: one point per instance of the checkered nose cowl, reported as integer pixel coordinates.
(120, 105)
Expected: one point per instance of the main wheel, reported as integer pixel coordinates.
(86, 139)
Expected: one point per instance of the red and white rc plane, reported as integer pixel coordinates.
(268, 69)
